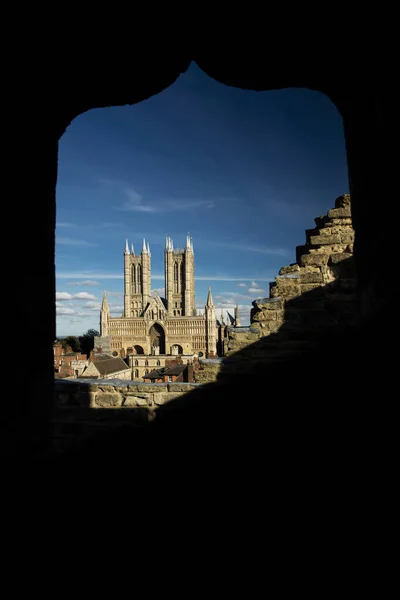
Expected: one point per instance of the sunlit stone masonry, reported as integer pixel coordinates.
(316, 291)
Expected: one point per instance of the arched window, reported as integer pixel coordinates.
(136, 372)
(139, 279)
(158, 363)
(176, 277)
(146, 362)
(134, 281)
(146, 372)
(136, 363)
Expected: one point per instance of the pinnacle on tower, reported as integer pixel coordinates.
(188, 245)
(104, 304)
(132, 250)
(126, 247)
(148, 249)
(237, 322)
(144, 248)
(209, 298)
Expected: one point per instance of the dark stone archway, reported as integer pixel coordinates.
(100, 74)
(138, 350)
(157, 338)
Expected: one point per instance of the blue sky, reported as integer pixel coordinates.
(244, 172)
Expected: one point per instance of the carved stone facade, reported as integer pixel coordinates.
(159, 326)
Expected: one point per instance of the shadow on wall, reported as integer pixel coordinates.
(302, 394)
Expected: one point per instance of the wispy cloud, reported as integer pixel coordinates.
(66, 241)
(79, 296)
(138, 203)
(88, 282)
(256, 291)
(253, 248)
(241, 285)
(64, 224)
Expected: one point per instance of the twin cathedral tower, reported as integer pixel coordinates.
(153, 325)
(179, 280)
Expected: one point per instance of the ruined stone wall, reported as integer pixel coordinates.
(317, 290)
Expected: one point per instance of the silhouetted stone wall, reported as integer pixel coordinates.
(325, 263)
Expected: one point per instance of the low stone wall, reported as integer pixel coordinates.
(108, 393)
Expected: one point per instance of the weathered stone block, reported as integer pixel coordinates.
(284, 280)
(319, 240)
(307, 287)
(327, 249)
(347, 237)
(108, 400)
(294, 268)
(342, 201)
(273, 326)
(143, 400)
(341, 222)
(337, 213)
(311, 277)
(289, 291)
(148, 388)
(184, 387)
(316, 259)
(339, 257)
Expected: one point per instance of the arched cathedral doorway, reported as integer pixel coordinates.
(157, 339)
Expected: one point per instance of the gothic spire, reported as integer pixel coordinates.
(148, 249)
(209, 298)
(144, 248)
(132, 250)
(104, 304)
(126, 247)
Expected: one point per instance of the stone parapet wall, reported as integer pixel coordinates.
(106, 393)
(317, 290)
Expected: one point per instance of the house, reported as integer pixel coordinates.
(103, 366)
(168, 375)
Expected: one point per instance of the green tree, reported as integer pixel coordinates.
(87, 340)
(73, 342)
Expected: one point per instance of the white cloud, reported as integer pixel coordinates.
(160, 291)
(63, 296)
(254, 284)
(64, 311)
(93, 305)
(84, 296)
(78, 296)
(88, 282)
(256, 291)
(241, 285)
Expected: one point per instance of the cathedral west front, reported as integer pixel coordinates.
(156, 326)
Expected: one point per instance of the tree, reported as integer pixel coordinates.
(87, 340)
(73, 342)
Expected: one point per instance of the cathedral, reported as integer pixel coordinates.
(159, 326)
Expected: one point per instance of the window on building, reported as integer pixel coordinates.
(158, 363)
(136, 372)
(169, 378)
(136, 363)
(146, 363)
